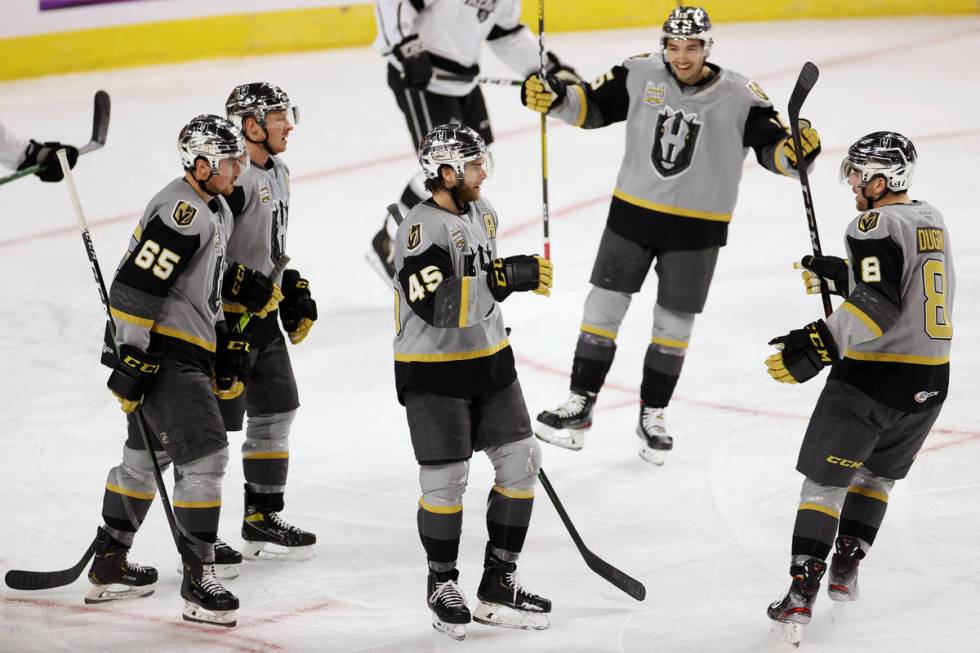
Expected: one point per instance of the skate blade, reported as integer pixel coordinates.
(105, 593)
(841, 595)
(197, 614)
(372, 258)
(223, 572)
(571, 439)
(494, 614)
(791, 633)
(456, 631)
(269, 551)
(653, 456)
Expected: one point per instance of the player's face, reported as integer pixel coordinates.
(873, 188)
(475, 172)
(223, 180)
(686, 59)
(278, 126)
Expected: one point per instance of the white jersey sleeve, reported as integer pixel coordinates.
(12, 148)
(511, 41)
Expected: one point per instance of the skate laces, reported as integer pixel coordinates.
(573, 406)
(515, 582)
(279, 523)
(209, 583)
(652, 421)
(448, 593)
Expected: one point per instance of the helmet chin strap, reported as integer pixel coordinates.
(265, 141)
(871, 200)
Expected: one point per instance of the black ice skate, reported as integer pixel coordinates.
(796, 608)
(381, 256)
(504, 602)
(268, 537)
(114, 577)
(566, 425)
(227, 561)
(449, 612)
(843, 579)
(652, 431)
(206, 600)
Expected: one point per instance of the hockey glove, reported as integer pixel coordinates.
(519, 274)
(829, 269)
(542, 97)
(297, 309)
(252, 289)
(415, 62)
(231, 362)
(132, 377)
(802, 353)
(45, 154)
(809, 139)
(561, 71)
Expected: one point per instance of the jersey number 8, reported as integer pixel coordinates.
(164, 260)
(937, 322)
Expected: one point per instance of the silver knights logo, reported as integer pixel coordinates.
(675, 141)
(484, 8)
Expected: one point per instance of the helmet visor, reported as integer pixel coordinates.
(478, 168)
(233, 166)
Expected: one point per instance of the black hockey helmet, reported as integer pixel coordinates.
(255, 99)
(881, 154)
(688, 23)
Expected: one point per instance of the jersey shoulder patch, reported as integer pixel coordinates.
(184, 213)
(757, 91)
(414, 237)
(868, 221)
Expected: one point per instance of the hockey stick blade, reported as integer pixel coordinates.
(42, 580)
(100, 123)
(804, 84)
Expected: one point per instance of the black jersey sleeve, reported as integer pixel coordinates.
(424, 279)
(877, 265)
(236, 201)
(764, 132)
(603, 101)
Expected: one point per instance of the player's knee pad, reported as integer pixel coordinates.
(604, 312)
(516, 464)
(200, 480)
(136, 470)
(267, 433)
(829, 497)
(672, 328)
(868, 480)
(443, 485)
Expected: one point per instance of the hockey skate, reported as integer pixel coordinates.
(449, 612)
(796, 608)
(114, 577)
(206, 600)
(268, 537)
(227, 561)
(504, 602)
(381, 256)
(842, 584)
(566, 425)
(652, 431)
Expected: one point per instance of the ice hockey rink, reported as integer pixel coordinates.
(708, 533)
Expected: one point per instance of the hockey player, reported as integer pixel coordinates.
(17, 154)
(260, 204)
(425, 39)
(689, 125)
(173, 344)
(888, 347)
(454, 373)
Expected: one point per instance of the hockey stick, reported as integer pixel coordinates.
(621, 580)
(804, 84)
(247, 315)
(544, 137)
(100, 129)
(19, 579)
(488, 81)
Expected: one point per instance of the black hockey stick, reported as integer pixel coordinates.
(100, 129)
(544, 138)
(488, 81)
(621, 580)
(395, 214)
(804, 84)
(19, 579)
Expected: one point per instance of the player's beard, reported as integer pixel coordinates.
(467, 193)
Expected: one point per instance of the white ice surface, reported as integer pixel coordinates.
(708, 533)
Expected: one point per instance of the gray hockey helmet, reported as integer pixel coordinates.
(212, 138)
(881, 154)
(452, 145)
(255, 99)
(688, 23)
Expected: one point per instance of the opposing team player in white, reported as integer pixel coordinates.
(425, 39)
(173, 345)
(455, 375)
(17, 153)
(689, 125)
(888, 346)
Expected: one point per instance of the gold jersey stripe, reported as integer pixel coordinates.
(440, 510)
(866, 492)
(186, 337)
(864, 317)
(452, 356)
(146, 496)
(884, 357)
(265, 455)
(513, 494)
(667, 342)
(464, 300)
(596, 331)
(673, 210)
(824, 509)
(197, 504)
(583, 107)
(132, 319)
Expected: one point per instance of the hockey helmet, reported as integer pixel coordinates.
(881, 154)
(452, 145)
(255, 99)
(688, 23)
(214, 139)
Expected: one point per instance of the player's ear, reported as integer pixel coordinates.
(202, 169)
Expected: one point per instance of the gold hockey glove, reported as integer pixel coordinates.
(297, 310)
(132, 377)
(542, 96)
(231, 363)
(519, 274)
(809, 139)
(802, 353)
(252, 289)
(829, 269)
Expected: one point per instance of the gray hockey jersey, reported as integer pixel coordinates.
(895, 329)
(685, 147)
(168, 284)
(450, 337)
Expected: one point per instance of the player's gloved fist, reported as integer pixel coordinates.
(297, 310)
(519, 274)
(832, 270)
(802, 353)
(132, 377)
(542, 96)
(561, 70)
(45, 154)
(231, 362)
(415, 61)
(809, 139)
(252, 289)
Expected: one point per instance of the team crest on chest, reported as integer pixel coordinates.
(490, 224)
(868, 222)
(184, 214)
(483, 8)
(456, 235)
(675, 141)
(414, 237)
(265, 196)
(653, 94)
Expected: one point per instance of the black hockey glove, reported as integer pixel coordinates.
(231, 362)
(45, 154)
(542, 97)
(560, 70)
(802, 353)
(830, 269)
(252, 289)
(518, 274)
(132, 377)
(297, 310)
(415, 62)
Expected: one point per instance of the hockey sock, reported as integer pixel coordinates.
(439, 529)
(123, 510)
(863, 512)
(817, 519)
(265, 459)
(508, 516)
(593, 357)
